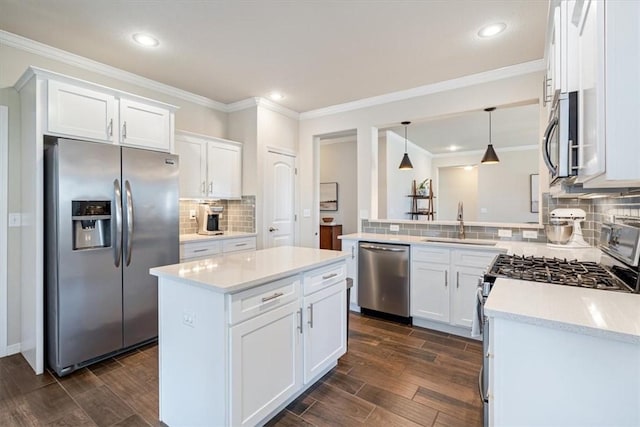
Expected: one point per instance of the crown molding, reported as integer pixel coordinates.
(264, 103)
(446, 85)
(41, 49)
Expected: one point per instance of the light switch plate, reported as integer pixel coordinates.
(306, 213)
(504, 233)
(530, 234)
(394, 227)
(192, 213)
(15, 220)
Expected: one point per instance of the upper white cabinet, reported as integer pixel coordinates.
(143, 125)
(599, 57)
(209, 167)
(80, 110)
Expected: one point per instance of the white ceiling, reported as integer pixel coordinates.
(511, 126)
(318, 53)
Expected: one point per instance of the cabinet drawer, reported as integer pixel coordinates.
(322, 277)
(252, 302)
(430, 254)
(473, 258)
(242, 244)
(199, 249)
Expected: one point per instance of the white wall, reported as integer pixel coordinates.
(366, 120)
(503, 188)
(338, 164)
(397, 184)
(455, 184)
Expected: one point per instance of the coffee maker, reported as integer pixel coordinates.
(208, 219)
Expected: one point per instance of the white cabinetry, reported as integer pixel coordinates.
(200, 249)
(266, 363)
(351, 246)
(599, 56)
(79, 109)
(444, 283)
(325, 329)
(209, 167)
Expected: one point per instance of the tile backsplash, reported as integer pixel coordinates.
(238, 215)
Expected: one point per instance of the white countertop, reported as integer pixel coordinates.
(600, 313)
(239, 271)
(201, 238)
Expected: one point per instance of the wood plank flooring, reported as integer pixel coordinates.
(392, 375)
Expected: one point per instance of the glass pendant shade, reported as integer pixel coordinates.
(405, 163)
(490, 157)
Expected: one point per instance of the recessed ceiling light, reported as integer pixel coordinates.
(453, 147)
(276, 96)
(492, 30)
(468, 168)
(145, 40)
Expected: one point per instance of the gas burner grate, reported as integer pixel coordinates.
(558, 271)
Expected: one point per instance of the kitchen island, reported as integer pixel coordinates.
(242, 335)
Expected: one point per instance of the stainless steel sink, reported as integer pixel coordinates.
(475, 242)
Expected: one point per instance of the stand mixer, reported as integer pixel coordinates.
(561, 223)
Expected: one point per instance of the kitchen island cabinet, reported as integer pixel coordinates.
(243, 335)
(561, 355)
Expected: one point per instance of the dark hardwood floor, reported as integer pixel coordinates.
(392, 375)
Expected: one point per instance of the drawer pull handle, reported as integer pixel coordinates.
(274, 296)
(310, 322)
(300, 320)
(329, 276)
(241, 244)
(201, 250)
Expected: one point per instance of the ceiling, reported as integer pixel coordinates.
(317, 53)
(511, 126)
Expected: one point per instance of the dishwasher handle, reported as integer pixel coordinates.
(382, 248)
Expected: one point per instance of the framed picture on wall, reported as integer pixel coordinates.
(328, 196)
(534, 188)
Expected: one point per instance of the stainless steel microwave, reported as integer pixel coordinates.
(560, 143)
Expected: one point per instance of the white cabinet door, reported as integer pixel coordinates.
(325, 335)
(351, 246)
(193, 166)
(430, 290)
(224, 170)
(79, 112)
(266, 363)
(144, 126)
(463, 299)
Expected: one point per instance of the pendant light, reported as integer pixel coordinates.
(405, 163)
(490, 157)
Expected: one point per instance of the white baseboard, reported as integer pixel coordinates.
(13, 349)
(444, 327)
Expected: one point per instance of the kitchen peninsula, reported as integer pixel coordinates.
(242, 335)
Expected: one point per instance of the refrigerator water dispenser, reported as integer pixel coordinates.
(91, 224)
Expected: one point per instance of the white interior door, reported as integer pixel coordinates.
(279, 200)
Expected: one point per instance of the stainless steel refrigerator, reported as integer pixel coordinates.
(111, 213)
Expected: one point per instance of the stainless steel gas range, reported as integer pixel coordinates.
(617, 271)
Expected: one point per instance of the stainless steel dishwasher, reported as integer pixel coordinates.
(383, 279)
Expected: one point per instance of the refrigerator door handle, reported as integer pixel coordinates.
(117, 195)
(129, 234)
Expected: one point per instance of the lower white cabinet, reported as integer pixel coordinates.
(444, 283)
(266, 363)
(325, 329)
(351, 246)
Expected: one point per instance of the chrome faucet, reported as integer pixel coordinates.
(461, 221)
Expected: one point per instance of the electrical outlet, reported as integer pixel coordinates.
(394, 227)
(530, 234)
(504, 233)
(192, 213)
(189, 319)
(15, 220)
